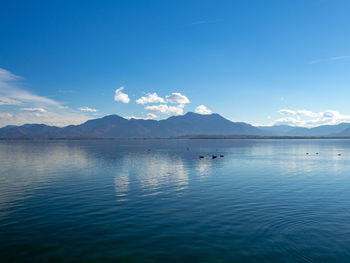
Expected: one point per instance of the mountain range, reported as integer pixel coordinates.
(190, 124)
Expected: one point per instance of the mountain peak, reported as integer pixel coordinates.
(193, 114)
(112, 116)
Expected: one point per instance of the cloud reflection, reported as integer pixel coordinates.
(203, 167)
(152, 173)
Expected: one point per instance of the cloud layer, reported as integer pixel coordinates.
(19, 106)
(41, 110)
(12, 94)
(307, 118)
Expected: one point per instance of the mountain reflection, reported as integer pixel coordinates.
(152, 167)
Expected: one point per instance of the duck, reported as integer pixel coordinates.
(201, 156)
(213, 156)
(221, 155)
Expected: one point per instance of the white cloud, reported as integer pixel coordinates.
(87, 109)
(165, 109)
(42, 110)
(25, 96)
(306, 113)
(149, 116)
(201, 109)
(8, 101)
(286, 112)
(11, 94)
(177, 98)
(120, 96)
(133, 117)
(150, 98)
(5, 115)
(49, 118)
(7, 75)
(306, 118)
(19, 106)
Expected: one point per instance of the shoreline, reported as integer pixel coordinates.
(183, 138)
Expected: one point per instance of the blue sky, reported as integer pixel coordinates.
(262, 62)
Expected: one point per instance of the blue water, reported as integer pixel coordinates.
(156, 201)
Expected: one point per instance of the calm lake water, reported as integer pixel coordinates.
(156, 201)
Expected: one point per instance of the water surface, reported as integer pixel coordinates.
(156, 201)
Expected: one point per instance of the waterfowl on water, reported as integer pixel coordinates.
(221, 155)
(339, 154)
(201, 156)
(213, 156)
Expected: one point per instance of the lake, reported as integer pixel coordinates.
(157, 201)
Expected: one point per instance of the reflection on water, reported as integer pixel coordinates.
(156, 201)
(203, 167)
(28, 166)
(151, 174)
(121, 182)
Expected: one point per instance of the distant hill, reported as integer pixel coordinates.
(344, 133)
(190, 124)
(30, 131)
(114, 126)
(277, 130)
(320, 131)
